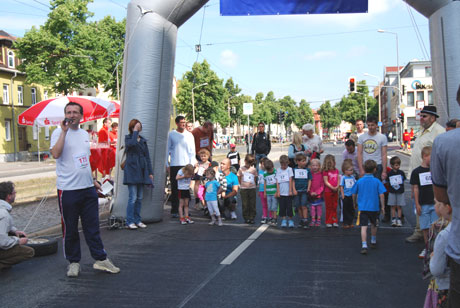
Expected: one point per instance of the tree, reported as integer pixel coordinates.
(304, 114)
(288, 106)
(233, 101)
(352, 107)
(67, 53)
(210, 103)
(330, 116)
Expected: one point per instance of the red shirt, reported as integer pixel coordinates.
(406, 136)
(332, 178)
(103, 135)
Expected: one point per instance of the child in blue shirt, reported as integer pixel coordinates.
(346, 184)
(302, 183)
(213, 188)
(371, 202)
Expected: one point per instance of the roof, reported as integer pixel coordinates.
(6, 36)
(394, 69)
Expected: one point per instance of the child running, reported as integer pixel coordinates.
(370, 201)
(284, 185)
(247, 177)
(263, 198)
(316, 193)
(213, 188)
(270, 190)
(396, 200)
(184, 177)
(331, 196)
(200, 167)
(302, 181)
(346, 184)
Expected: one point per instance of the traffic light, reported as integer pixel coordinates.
(403, 89)
(401, 117)
(281, 116)
(352, 84)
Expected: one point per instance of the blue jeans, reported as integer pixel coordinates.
(133, 210)
(258, 158)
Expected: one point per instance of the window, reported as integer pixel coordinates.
(20, 95)
(7, 130)
(6, 98)
(428, 72)
(45, 94)
(410, 99)
(420, 96)
(430, 98)
(10, 59)
(33, 93)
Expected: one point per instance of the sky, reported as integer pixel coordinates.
(307, 57)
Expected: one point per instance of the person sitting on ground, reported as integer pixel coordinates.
(368, 195)
(12, 241)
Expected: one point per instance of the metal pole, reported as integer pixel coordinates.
(118, 86)
(380, 112)
(365, 105)
(193, 106)
(13, 122)
(399, 85)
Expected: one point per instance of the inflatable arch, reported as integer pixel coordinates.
(151, 32)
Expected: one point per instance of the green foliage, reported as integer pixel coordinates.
(352, 107)
(330, 116)
(210, 102)
(68, 53)
(304, 114)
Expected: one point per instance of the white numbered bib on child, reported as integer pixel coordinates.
(283, 177)
(200, 171)
(234, 161)
(81, 160)
(301, 173)
(349, 183)
(270, 179)
(425, 178)
(204, 142)
(248, 177)
(396, 180)
(261, 179)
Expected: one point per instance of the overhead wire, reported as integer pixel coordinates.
(417, 33)
(45, 5)
(29, 5)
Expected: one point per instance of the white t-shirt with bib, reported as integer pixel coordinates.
(282, 177)
(73, 168)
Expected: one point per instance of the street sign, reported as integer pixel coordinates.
(379, 123)
(402, 106)
(247, 108)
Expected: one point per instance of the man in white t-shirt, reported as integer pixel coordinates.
(312, 142)
(77, 195)
(180, 152)
(373, 145)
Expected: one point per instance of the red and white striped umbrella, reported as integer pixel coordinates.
(50, 112)
(115, 113)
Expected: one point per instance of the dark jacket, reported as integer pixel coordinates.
(261, 143)
(138, 166)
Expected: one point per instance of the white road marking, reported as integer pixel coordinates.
(240, 249)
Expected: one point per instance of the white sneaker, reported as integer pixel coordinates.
(398, 223)
(73, 269)
(328, 226)
(422, 254)
(106, 266)
(213, 222)
(132, 226)
(233, 215)
(219, 223)
(142, 225)
(336, 225)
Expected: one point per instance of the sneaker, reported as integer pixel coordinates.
(398, 223)
(415, 237)
(422, 254)
(174, 215)
(393, 222)
(328, 226)
(189, 221)
(318, 223)
(364, 250)
(291, 223)
(313, 223)
(306, 226)
(219, 223)
(301, 224)
(233, 216)
(182, 221)
(373, 245)
(264, 220)
(106, 266)
(284, 223)
(73, 269)
(251, 221)
(336, 225)
(247, 221)
(142, 225)
(213, 222)
(273, 221)
(132, 226)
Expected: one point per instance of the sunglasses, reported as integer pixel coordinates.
(424, 116)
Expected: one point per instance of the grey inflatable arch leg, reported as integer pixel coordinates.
(148, 71)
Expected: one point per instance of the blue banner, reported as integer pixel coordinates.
(287, 7)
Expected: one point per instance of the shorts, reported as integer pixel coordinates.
(272, 203)
(396, 199)
(184, 194)
(428, 216)
(364, 217)
(301, 199)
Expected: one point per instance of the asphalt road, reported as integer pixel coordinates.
(170, 265)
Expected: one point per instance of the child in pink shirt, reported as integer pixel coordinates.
(331, 190)
(316, 193)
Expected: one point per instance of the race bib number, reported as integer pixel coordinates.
(81, 161)
(270, 180)
(248, 177)
(204, 143)
(283, 178)
(396, 180)
(349, 183)
(425, 178)
(301, 174)
(234, 161)
(261, 179)
(200, 171)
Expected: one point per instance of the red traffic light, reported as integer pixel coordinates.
(394, 121)
(402, 114)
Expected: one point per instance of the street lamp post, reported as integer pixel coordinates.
(397, 70)
(380, 112)
(193, 100)
(228, 107)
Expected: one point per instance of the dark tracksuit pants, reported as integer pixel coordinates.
(83, 204)
(173, 170)
(348, 210)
